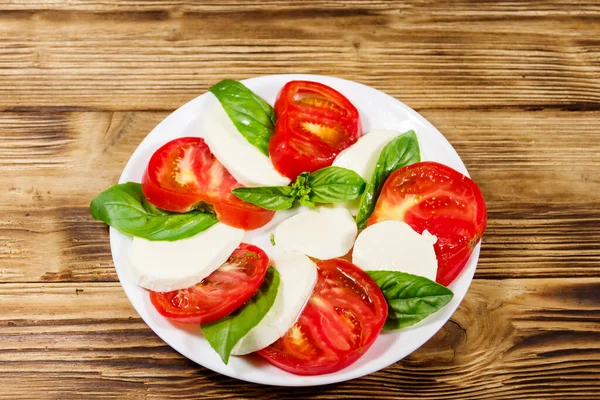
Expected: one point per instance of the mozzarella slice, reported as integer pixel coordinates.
(298, 276)
(395, 246)
(323, 233)
(245, 162)
(362, 157)
(163, 266)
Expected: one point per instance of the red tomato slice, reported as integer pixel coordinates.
(219, 294)
(183, 175)
(341, 320)
(314, 123)
(432, 196)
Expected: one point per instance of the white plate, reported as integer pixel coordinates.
(377, 111)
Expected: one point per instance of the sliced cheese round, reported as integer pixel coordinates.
(243, 160)
(298, 276)
(395, 246)
(323, 233)
(362, 157)
(163, 266)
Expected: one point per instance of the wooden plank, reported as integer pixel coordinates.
(157, 60)
(453, 7)
(516, 338)
(544, 218)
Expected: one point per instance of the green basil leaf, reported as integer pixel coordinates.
(401, 151)
(333, 184)
(253, 117)
(410, 298)
(222, 335)
(272, 239)
(268, 197)
(125, 208)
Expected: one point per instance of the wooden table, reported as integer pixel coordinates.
(514, 86)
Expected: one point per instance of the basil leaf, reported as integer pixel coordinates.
(268, 197)
(410, 298)
(326, 185)
(125, 208)
(332, 184)
(253, 117)
(401, 151)
(222, 335)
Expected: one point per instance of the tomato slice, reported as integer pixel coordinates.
(183, 175)
(341, 320)
(434, 197)
(219, 294)
(314, 124)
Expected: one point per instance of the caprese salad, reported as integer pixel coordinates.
(371, 235)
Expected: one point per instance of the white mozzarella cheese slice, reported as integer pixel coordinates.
(298, 276)
(243, 160)
(362, 157)
(163, 266)
(323, 233)
(395, 246)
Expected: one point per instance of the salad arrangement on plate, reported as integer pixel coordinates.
(364, 236)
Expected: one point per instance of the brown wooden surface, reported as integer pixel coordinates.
(514, 86)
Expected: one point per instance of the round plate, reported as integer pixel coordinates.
(377, 111)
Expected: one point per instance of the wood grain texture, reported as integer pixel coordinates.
(444, 57)
(495, 346)
(490, 7)
(513, 85)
